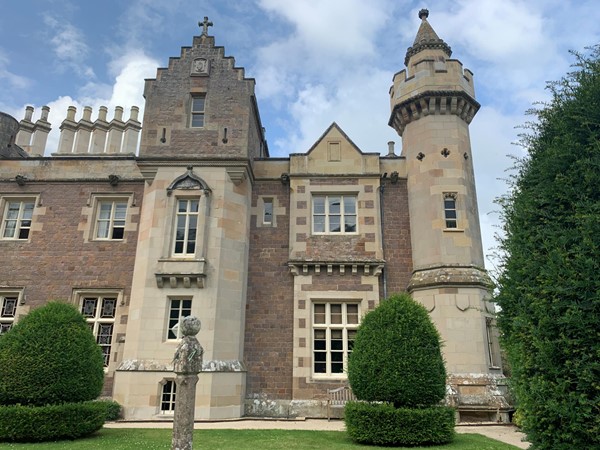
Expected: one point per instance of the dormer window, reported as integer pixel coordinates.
(197, 111)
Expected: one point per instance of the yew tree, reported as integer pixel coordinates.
(549, 287)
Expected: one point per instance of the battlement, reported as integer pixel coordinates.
(428, 72)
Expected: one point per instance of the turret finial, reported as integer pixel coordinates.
(423, 14)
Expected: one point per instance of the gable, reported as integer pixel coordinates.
(334, 153)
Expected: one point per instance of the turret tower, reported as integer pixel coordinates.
(432, 104)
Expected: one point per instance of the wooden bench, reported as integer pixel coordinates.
(337, 398)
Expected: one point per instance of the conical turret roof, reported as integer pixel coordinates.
(426, 39)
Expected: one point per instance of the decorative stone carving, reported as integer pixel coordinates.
(200, 66)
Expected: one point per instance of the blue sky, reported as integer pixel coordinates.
(315, 61)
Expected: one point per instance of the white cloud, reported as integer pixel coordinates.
(69, 46)
(13, 80)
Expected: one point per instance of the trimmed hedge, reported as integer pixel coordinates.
(53, 422)
(383, 424)
(113, 409)
(396, 356)
(50, 357)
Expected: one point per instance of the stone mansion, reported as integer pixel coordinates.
(278, 257)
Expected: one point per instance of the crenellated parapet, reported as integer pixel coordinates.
(100, 136)
(32, 137)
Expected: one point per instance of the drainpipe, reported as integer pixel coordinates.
(382, 181)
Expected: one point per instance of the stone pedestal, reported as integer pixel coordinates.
(186, 364)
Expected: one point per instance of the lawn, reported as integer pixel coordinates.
(148, 439)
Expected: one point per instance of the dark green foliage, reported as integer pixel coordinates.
(396, 356)
(382, 424)
(49, 357)
(52, 422)
(113, 409)
(549, 288)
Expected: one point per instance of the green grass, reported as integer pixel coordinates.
(148, 439)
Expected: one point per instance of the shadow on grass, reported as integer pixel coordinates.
(151, 439)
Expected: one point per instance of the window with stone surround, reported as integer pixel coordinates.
(16, 218)
(268, 211)
(8, 310)
(110, 219)
(178, 309)
(492, 343)
(197, 111)
(334, 327)
(450, 209)
(100, 312)
(186, 227)
(168, 392)
(334, 214)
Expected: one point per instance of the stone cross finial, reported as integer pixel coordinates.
(423, 14)
(205, 26)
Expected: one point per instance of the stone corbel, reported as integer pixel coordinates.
(236, 175)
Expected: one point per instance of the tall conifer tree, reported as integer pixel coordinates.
(549, 288)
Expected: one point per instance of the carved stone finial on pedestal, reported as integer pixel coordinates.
(187, 363)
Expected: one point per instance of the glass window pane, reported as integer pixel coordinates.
(23, 233)
(182, 205)
(320, 368)
(319, 224)
(105, 210)
(13, 210)
(108, 308)
(352, 314)
(450, 214)
(334, 224)
(336, 314)
(319, 314)
(88, 308)
(28, 211)
(350, 224)
(197, 104)
(349, 205)
(320, 334)
(319, 205)
(197, 120)
(449, 203)
(9, 230)
(337, 367)
(120, 211)
(334, 205)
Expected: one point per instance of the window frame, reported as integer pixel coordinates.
(347, 343)
(97, 321)
(327, 215)
(112, 219)
(7, 320)
(197, 113)
(168, 388)
(268, 208)
(450, 211)
(187, 214)
(493, 352)
(22, 200)
(173, 321)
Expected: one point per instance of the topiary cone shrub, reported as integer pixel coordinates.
(50, 369)
(397, 371)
